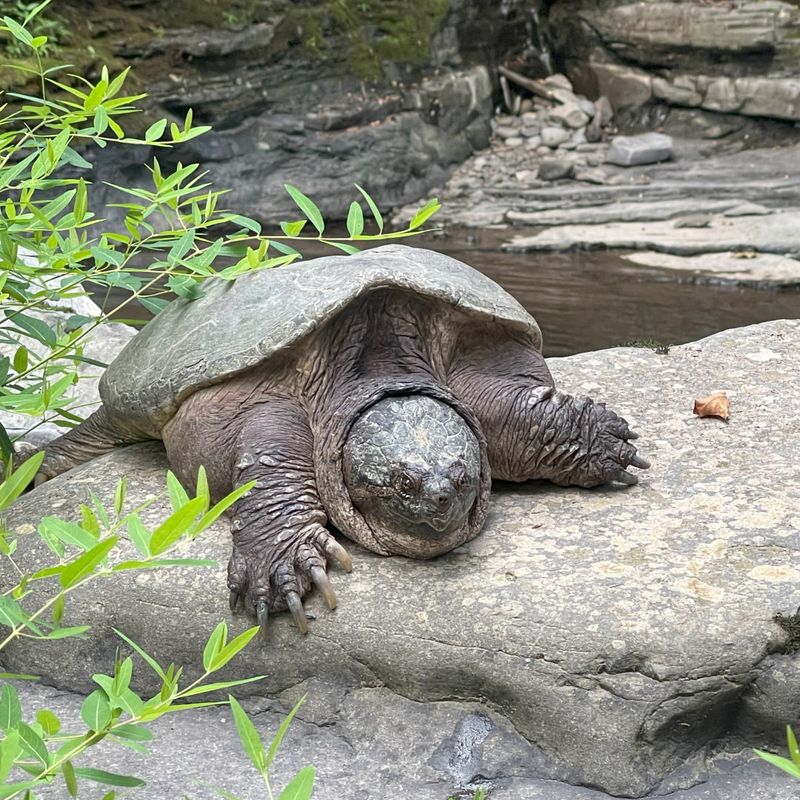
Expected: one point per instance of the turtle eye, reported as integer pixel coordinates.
(406, 483)
(460, 476)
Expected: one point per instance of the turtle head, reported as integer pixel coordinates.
(412, 466)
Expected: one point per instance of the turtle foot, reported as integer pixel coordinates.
(278, 574)
(585, 443)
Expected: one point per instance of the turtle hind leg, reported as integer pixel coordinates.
(97, 435)
(533, 430)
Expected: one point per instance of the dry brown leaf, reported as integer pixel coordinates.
(713, 405)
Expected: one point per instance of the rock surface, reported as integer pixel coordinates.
(620, 639)
(777, 233)
(646, 148)
(739, 56)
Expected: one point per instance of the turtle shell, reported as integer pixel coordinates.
(239, 324)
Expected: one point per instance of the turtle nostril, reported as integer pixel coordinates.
(443, 500)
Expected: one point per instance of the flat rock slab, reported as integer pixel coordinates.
(775, 233)
(743, 268)
(621, 639)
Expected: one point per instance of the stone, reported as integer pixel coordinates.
(554, 169)
(514, 141)
(570, 115)
(615, 638)
(622, 86)
(693, 221)
(675, 93)
(506, 131)
(534, 143)
(646, 148)
(530, 131)
(777, 233)
(553, 137)
(747, 210)
(744, 268)
(558, 81)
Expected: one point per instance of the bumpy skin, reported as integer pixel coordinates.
(306, 426)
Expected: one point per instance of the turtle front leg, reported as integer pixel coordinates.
(535, 431)
(280, 543)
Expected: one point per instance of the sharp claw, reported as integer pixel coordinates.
(627, 477)
(233, 600)
(262, 616)
(333, 548)
(321, 581)
(641, 463)
(295, 605)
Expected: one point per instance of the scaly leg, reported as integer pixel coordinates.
(280, 543)
(535, 431)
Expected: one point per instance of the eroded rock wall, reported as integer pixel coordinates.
(739, 56)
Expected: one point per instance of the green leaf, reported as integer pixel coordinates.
(428, 210)
(108, 778)
(20, 360)
(154, 304)
(139, 535)
(10, 748)
(17, 31)
(89, 521)
(177, 494)
(33, 744)
(343, 246)
(133, 733)
(301, 787)
(17, 482)
(284, 726)
(50, 723)
(34, 327)
(175, 526)
(96, 710)
(248, 735)
(355, 220)
(119, 494)
(66, 633)
(155, 131)
(293, 228)
(152, 663)
(82, 566)
(71, 781)
(307, 206)
(214, 645)
(10, 709)
(215, 687)
(122, 678)
(779, 761)
(372, 207)
(221, 507)
(791, 741)
(226, 653)
(67, 532)
(6, 445)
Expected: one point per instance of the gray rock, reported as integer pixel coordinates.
(622, 85)
(646, 148)
(570, 115)
(627, 633)
(743, 268)
(506, 131)
(534, 143)
(693, 221)
(747, 210)
(514, 141)
(554, 169)
(558, 81)
(529, 131)
(777, 233)
(552, 137)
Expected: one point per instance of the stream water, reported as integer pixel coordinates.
(593, 300)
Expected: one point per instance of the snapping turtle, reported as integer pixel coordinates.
(379, 392)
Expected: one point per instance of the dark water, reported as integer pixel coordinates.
(593, 300)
